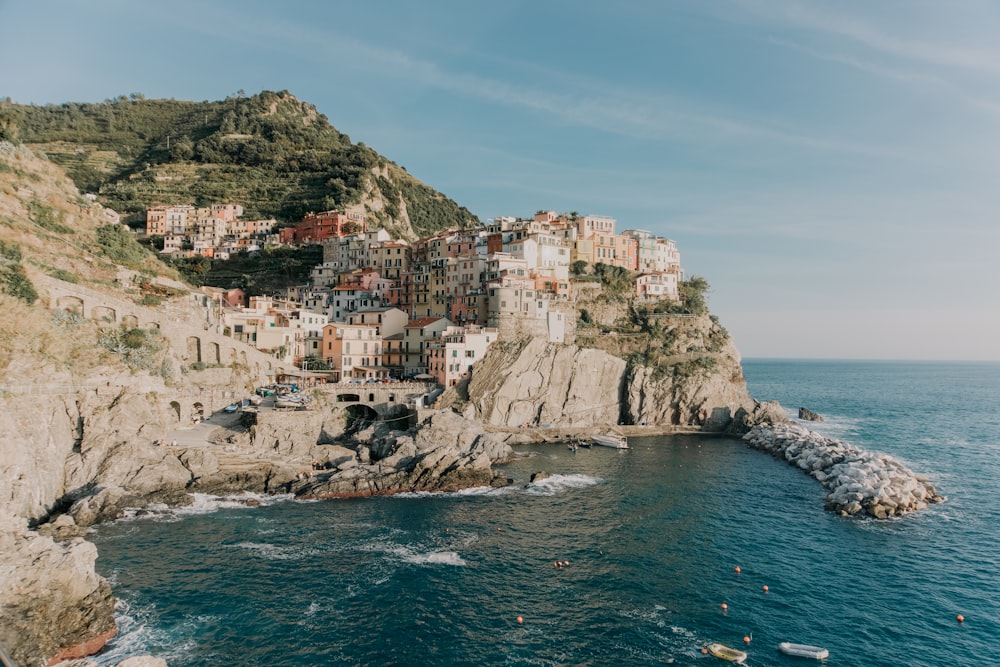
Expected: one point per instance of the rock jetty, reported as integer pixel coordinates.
(858, 481)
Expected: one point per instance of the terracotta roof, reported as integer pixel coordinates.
(422, 322)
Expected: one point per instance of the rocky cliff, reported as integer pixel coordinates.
(685, 373)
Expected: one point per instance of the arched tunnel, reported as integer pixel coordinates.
(359, 417)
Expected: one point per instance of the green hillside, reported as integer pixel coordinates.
(275, 155)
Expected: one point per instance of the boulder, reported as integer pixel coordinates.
(53, 605)
(809, 415)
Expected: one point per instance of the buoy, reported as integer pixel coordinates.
(960, 618)
(498, 530)
(520, 619)
(737, 569)
(725, 606)
(704, 650)
(565, 562)
(555, 564)
(746, 640)
(765, 588)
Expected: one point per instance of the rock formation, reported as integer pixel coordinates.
(808, 415)
(858, 481)
(535, 382)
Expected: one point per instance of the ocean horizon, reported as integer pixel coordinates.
(648, 540)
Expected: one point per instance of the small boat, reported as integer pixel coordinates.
(803, 650)
(583, 443)
(571, 446)
(613, 441)
(726, 653)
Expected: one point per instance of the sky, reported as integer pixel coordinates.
(831, 168)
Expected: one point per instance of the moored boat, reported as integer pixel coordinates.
(613, 441)
(803, 650)
(726, 653)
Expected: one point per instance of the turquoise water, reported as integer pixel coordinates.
(652, 536)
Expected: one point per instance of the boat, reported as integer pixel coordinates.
(726, 653)
(613, 441)
(803, 650)
(571, 446)
(583, 443)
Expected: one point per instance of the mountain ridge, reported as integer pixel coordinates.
(270, 152)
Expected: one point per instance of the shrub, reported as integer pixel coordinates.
(138, 348)
(120, 247)
(46, 218)
(13, 280)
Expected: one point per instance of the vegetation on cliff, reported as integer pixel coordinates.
(275, 155)
(268, 272)
(678, 339)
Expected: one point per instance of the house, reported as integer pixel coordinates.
(353, 351)
(416, 336)
(451, 357)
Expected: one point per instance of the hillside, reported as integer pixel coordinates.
(277, 156)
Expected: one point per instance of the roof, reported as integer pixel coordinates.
(422, 322)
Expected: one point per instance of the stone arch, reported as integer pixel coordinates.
(106, 313)
(212, 355)
(193, 349)
(130, 321)
(359, 416)
(73, 304)
(197, 411)
(175, 408)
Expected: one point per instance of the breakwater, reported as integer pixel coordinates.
(858, 481)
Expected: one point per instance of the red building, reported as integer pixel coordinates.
(315, 227)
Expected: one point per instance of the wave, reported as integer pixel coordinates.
(269, 551)
(435, 558)
(201, 503)
(557, 483)
(141, 633)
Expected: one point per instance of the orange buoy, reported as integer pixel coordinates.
(498, 530)
(555, 564)
(737, 569)
(746, 639)
(960, 618)
(704, 650)
(520, 619)
(565, 562)
(725, 606)
(765, 588)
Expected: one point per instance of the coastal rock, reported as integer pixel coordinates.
(534, 382)
(858, 481)
(53, 605)
(808, 415)
(447, 453)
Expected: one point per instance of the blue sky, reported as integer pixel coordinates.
(831, 168)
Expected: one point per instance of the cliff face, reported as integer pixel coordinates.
(692, 384)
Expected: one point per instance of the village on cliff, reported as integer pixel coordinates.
(381, 308)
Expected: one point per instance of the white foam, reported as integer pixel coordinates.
(555, 484)
(138, 634)
(202, 503)
(435, 558)
(274, 552)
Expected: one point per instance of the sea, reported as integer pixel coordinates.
(637, 557)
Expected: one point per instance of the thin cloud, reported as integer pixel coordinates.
(809, 16)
